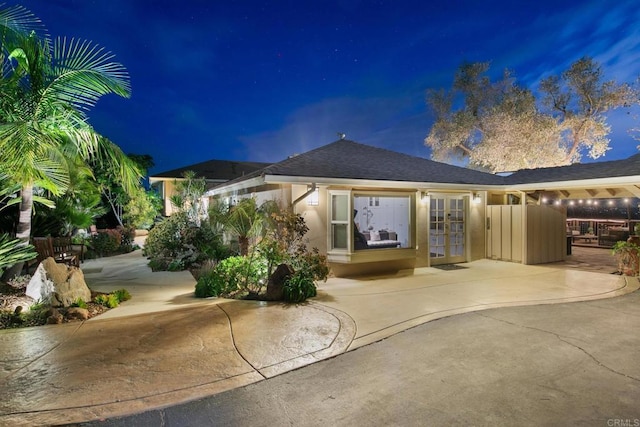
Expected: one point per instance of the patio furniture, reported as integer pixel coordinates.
(45, 249)
(64, 245)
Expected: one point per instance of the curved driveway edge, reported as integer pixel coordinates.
(164, 347)
(118, 366)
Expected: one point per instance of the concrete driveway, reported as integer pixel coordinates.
(544, 365)
(165, 347)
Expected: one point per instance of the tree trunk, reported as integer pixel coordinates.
(24, 221)
(24, 227)
(243, 242)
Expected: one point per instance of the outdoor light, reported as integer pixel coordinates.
(313, 199)
(424, 197)
(544, 200)
(476, 199)
(558, 202)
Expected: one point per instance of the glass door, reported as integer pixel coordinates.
(447, 229)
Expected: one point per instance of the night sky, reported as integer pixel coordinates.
(250, 80)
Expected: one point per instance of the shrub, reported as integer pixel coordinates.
(177, 244)
(122, 295)
(300, 286)
(106, 242)
(211, 284)
(79, 303)
(234, 275)
(101, 299)
(112, 301)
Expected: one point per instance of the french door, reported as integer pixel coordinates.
(447, 229)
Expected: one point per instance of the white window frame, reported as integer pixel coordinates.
(332, 222)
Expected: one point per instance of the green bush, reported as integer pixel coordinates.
(113, 299)
(122, 295)
(106, 242)
(101, 299)
(79, 302)
(177, 244)
(300, 286)
(211, 284)
(232, 276)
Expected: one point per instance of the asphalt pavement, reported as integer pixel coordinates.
(549, 365)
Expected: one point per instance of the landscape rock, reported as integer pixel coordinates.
(54, 317)
(77, 313)
(275, 285)
(58, 284)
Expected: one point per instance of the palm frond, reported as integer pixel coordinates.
(127, 170)
(83, 72)
(17, 22)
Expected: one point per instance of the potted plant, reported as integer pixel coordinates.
(628, 256)
(635, 236)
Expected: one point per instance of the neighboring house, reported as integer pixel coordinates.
(213, 171)
(371, 209)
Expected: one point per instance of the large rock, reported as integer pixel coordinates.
(275, 286)
(58, 284)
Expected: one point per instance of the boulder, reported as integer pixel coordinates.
(77, 313)
(275, 285)
(54, 317)
(58, 284)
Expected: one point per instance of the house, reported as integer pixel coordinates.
(214, 172)
(371, 209)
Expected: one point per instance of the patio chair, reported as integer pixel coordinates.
(64, 245)
(45, 249)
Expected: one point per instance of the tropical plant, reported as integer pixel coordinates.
(628, 256)
(300, 286)
(237, 275)
(12, 252)
(177, 244)
(140, 211)
(45, 89)
(246, 220)
(188, 196)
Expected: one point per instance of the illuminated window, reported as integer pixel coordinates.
(381, 221)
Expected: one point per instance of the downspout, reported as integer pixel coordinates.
(304, 196)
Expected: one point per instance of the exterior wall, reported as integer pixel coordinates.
(546, 230)
(314, 216)
(168, 190)
(477, 230)
(422, 231)
(504, 237)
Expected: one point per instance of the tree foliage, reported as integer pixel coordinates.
(188, 196)
(500, 126)
(46, 87)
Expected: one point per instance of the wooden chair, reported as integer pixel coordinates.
(64, 245)
(45, 249)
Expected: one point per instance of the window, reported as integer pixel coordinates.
(382, 221)
(339, 209)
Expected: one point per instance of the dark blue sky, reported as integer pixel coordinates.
(250, 80)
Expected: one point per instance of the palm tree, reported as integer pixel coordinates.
(45, 90)
(246, 220)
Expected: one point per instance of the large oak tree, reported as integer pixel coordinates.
(501, 126)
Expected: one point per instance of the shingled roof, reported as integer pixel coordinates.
(345, 159)
(351, 160)
(216, 170)
(578, 171)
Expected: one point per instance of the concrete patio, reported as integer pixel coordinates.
(165, 347)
